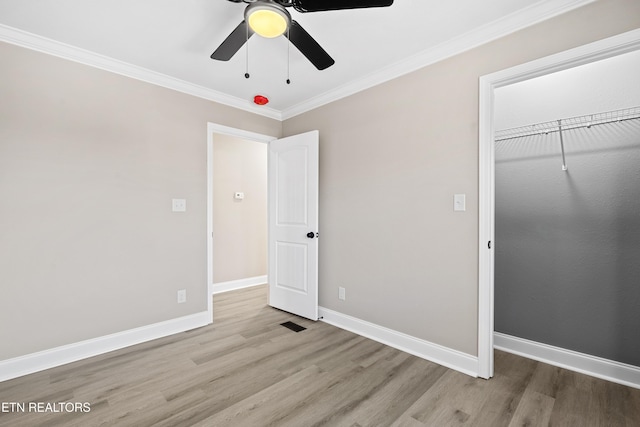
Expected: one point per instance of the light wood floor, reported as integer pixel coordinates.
(247, 370)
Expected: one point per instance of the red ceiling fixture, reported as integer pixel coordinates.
(260, 100)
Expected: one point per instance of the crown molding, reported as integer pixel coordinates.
(62, 50)
(529, 16)
(516, 21)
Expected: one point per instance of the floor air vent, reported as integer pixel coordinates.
(293, 326)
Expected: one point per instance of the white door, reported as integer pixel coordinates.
(293, 224)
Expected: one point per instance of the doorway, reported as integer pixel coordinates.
(292, 198)
(593, 52)
(226, 134)
(567, 150)
(239, 213)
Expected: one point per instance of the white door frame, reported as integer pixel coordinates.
(213, 128)
(613, 46)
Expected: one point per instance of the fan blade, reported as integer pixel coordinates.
(321, 5)
(232, 43)
(309, 47)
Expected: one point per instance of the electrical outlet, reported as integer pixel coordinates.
(182, 296)
(179, 205)
(341, 293)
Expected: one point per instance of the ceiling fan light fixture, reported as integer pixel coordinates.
(267, 19)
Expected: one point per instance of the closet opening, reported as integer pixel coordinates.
(564, 167)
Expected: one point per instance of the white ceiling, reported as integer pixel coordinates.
(168, 42)
(598, 87)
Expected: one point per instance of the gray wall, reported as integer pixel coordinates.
(568, 243)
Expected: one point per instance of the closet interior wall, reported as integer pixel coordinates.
(568, 241)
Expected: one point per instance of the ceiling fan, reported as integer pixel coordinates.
(269, 18)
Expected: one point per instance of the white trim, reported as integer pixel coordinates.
(444, 356)
(35, 362)
(516, 21)
(602, 49)
(92, 59)
(238, 133)
(594, 366)
(210, 221)
(486, 207)
(233, 285)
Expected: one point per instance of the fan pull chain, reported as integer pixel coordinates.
(288, 55)
(246, 73)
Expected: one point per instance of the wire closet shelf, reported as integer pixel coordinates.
(570, 123)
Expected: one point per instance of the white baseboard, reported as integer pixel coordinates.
(232, 285)
(35, 362)
(594, 366)
(444, 356)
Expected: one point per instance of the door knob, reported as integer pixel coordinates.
(311, 234)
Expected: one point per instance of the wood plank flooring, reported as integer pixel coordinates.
(247, 370)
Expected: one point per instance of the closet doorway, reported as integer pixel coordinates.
(609, 48)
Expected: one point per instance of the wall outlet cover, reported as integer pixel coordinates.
(182, 296)
(179, 205)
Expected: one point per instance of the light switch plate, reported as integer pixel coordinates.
(179, 205)
(459, 202)
(239, 195)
